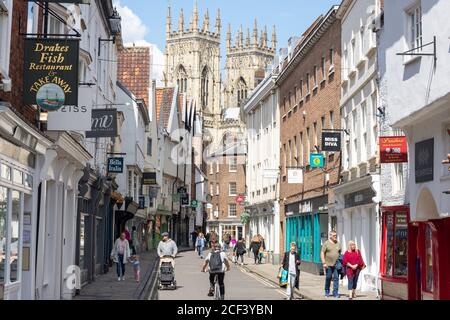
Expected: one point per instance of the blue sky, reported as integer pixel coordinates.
(146, 19)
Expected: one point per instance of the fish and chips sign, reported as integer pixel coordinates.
(51, 73)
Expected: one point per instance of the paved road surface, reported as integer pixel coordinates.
(239, 285)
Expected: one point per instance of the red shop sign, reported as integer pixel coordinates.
(393, 149)
(240, 199)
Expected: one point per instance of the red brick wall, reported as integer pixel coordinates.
(321, 101)
(20, 12)
(224, 177)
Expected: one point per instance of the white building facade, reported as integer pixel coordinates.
(418, 101)
(262, 178)
(355, 213)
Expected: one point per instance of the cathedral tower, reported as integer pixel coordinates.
(246, 63)
(193, 62)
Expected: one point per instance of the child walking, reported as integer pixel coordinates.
(136, 267)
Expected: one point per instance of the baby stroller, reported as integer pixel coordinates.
(166, 277)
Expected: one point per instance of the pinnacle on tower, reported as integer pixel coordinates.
(238, 39)
(191, 28)
(247, 42)
(255, 34)
(206, 22)
(169, 21)
(266, 39)
(241, 37)
(261, 39)
(181, 22)
(195, 21)
(218, 22)
(229, 37)
(274, 39)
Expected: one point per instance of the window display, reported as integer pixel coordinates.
(429, 259)
(3, 229)
(395, 241)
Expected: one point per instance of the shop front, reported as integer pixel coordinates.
(307, 225)
(355, 216)
(394, 253)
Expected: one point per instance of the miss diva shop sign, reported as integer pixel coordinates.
(51, 72)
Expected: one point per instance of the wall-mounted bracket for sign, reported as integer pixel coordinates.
(346, 131)
(117, 153)
(416, 52)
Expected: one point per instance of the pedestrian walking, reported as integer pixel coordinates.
(134, 241)
(239, 250)
(354, 264)
(136, 267)
(120, 255)
(330, 253)
(291, 263)
(194, 236)
(212, 239)
(262, 248)
(226, 241)
(208, 235)
(255, 245)
(200, 244)
(233, 242)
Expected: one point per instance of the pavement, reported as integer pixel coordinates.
(107, 287)
(311, 286)
(239, 284)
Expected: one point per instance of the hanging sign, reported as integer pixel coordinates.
(70, 118)
(149, 179)
(104, 124)
(424, 161)
(51, 72)
(194, 204)
(184, 199)
(316, 160)
(295, 176)
(240, 199)
(115, 165)
(331, 141)
(393, 150)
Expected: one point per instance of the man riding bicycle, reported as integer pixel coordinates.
(218, 264)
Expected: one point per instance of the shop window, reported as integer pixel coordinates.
(15, 232)
(82, 242)
(3, 229)
(396, 244)
(429, 259)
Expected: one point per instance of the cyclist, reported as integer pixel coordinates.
(218, 264)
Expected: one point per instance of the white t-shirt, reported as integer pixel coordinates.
(292, 264)
(223, 257)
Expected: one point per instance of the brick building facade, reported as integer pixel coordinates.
(16, 70)
(226, 181)
(309, 92)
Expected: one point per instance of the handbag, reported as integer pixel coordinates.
(284, 278)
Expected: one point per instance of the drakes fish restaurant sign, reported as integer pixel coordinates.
(51, 73)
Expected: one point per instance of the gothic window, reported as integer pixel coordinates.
(241, 90)
(182, 79)
(204, 88)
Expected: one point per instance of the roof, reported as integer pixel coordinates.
(164, 100)
(134, 71)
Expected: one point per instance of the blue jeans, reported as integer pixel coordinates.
(332, 273)
(200, 251)
(120, 266)
(353, 281)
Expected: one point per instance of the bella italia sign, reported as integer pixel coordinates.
(51, 73)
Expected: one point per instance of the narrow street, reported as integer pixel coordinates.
(239, 285)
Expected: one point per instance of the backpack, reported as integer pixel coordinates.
(215, 263)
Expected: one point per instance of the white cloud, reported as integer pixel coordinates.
(133, 29)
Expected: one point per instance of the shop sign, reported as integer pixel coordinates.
(359, 198)
(331, 141)
(424, 161)
(115, 165)
(149, 179)
(104, 124)
(51, 72)
(184, 199)
(295, 176)
(240, 199)
(194, 204)
(70, 118)
(316, 160)
(393, 149)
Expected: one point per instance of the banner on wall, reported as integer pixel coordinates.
(51, 72)
(393, 149)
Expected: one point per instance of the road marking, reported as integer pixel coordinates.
(263, 281)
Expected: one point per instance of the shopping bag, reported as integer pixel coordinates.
(284, 278)
(280, 272)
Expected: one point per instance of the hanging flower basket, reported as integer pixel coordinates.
(245, 217)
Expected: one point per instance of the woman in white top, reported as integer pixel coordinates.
(120, 255)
